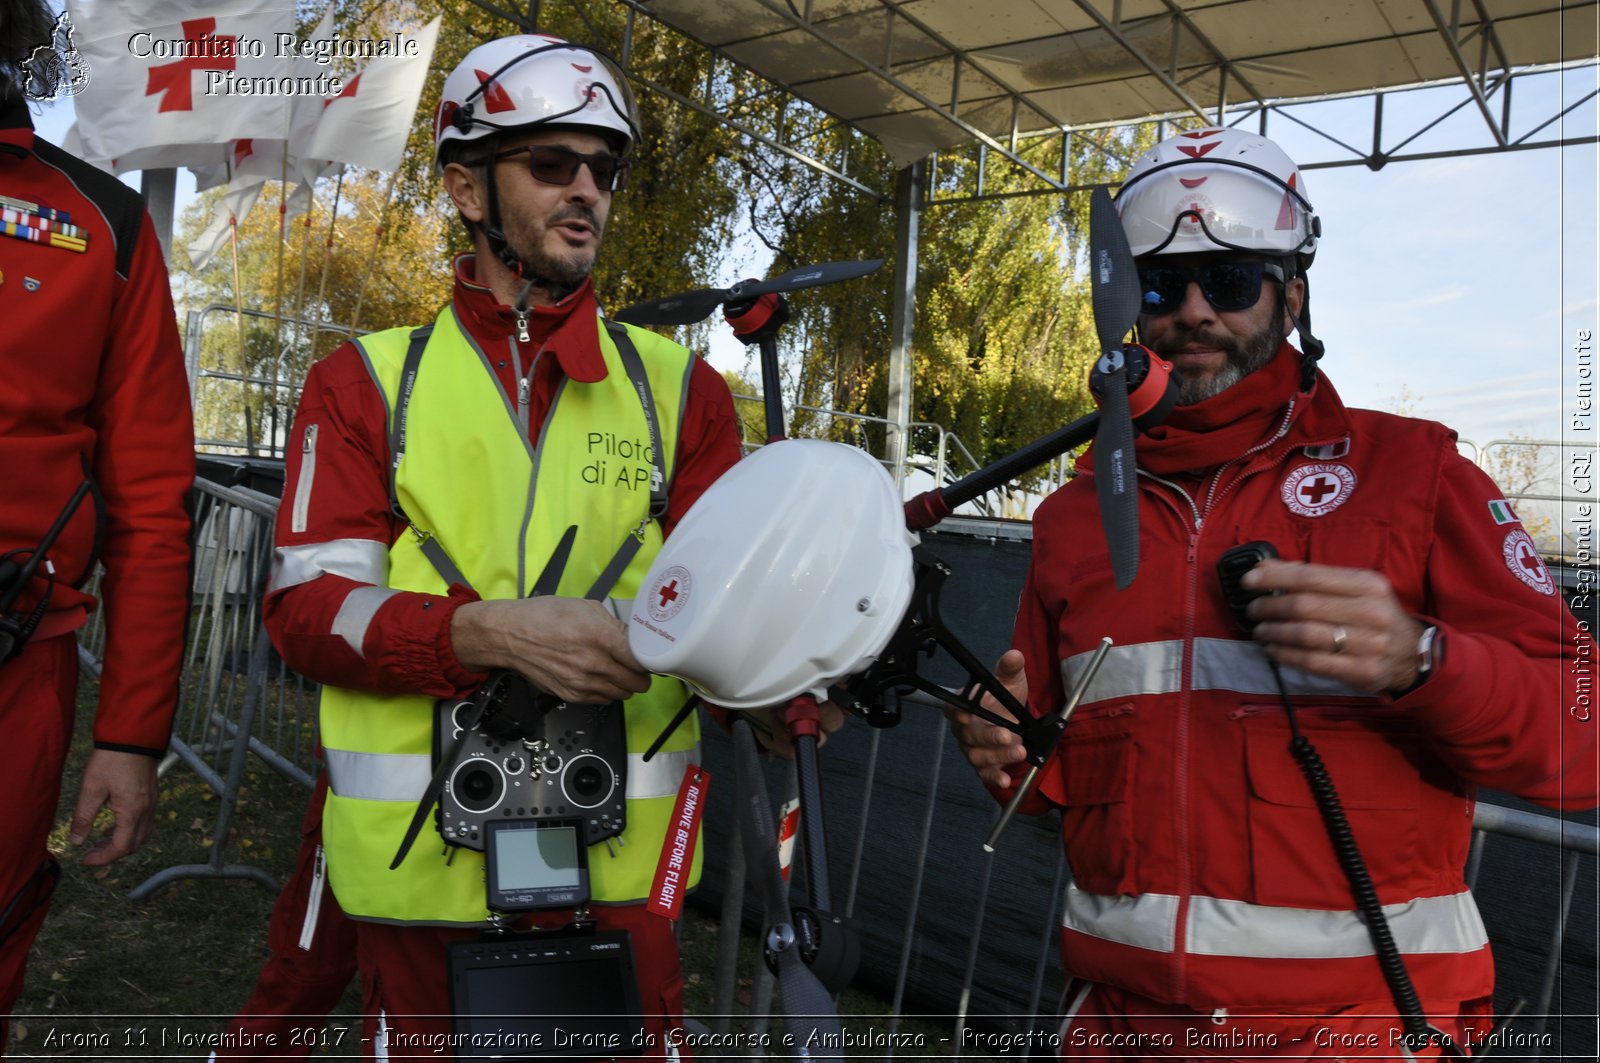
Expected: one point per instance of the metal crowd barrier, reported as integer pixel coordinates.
(234, 697)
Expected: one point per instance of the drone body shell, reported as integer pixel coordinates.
(792, 571)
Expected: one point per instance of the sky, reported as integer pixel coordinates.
(1452, 289)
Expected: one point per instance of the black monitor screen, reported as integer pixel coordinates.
(532, 1002)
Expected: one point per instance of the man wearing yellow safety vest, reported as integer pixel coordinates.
(434, 476)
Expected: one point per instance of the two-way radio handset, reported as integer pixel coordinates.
(1231, 568)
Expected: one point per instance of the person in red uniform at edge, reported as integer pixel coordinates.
(94, 407)
(520, 388)
(1426, 648)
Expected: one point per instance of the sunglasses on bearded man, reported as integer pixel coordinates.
(1227, 286)
(559, 166)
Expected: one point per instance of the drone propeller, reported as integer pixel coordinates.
(808, 1007)
(690, 307)
(1116, 300)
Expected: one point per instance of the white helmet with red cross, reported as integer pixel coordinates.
(789, 573)
(1215, 190)
(528, 80)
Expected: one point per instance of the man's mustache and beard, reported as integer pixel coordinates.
(1244, 357)
(568, 267)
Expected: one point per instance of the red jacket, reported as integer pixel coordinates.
(1203, 875)
(406, 644)
(94, 375)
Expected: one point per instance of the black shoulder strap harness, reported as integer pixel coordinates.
(546, 584)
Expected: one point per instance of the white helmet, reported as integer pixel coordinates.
(1218, 190)
(516, 82)
(792, 571)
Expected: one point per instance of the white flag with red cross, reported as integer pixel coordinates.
(166, 73)
(265, 156)
(368, 123)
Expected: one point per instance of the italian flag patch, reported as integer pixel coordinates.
(1500, 510)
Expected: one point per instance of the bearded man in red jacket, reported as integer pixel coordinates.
(1410, 623)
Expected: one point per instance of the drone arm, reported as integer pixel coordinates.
(930, 507)
(1046, 733)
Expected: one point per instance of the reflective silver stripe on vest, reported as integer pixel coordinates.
(1219, 664)
(404, 776)
(356, 613)
(363, 560)
(378, 776)
(1448, 924)
(661, 775)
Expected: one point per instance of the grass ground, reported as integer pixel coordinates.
(110, 978)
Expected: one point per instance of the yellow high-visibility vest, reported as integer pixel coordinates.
(498, 503)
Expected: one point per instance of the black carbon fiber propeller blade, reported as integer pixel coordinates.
(804, 277)
(1115, 476)
(809, 1013)
(683, 309)
(1116, 300)
(1113, 278)
(697, 305)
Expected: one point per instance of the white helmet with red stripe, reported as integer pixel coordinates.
(527, 80)
(1218, 190)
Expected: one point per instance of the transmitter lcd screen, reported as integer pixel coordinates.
(535, 864)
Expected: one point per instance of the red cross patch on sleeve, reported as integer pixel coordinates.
(1523, 559)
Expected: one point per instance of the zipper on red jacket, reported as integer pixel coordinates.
(1180, 952)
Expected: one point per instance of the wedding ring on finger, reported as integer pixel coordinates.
(1341, 638)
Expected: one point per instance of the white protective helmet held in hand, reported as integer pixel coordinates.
(1216, 190)
(516, 82)
(792, 571)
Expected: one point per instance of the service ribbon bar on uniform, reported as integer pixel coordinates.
(35, 208)
(40, 236)
(50, 225)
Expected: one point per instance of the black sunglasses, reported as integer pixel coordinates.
(1226, 285)
(559, 166)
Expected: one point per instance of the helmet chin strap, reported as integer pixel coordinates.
(1311, 348)
(496, 236)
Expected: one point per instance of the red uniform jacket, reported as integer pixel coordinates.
(94, 378)
(1203, 875)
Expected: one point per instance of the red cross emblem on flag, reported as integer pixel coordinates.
(1319, 488)
(209, 51)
